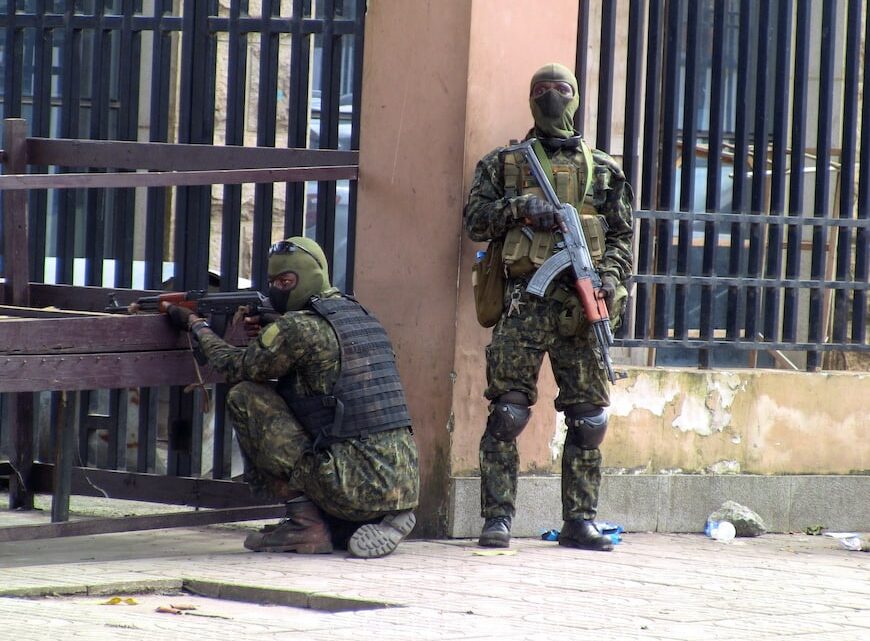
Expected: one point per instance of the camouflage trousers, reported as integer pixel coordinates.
(527, 330)
(354, 480)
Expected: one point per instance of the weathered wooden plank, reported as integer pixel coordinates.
(20, 182)
(53, 372)
(88, 334)
(138, 523)
(108, 154)
(153, 488)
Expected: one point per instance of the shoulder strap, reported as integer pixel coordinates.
(590, 166)
(538, 148)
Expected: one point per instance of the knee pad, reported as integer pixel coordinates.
(587, 425)
(508, 416)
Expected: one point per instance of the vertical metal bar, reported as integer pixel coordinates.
(195, 118)
(741, 146)
(605, 78)
(650, 162)
(862, 235)
(128, 129)
(330, 77)
(117, 428)
(231, 220)
(146, 452)
(64, 452)
(94, 214)
(266, 115)
(223, 436)
(773, 270)
(759, 169)
(817, 322)
(791, 301)
(634, 89)
(297, 137)
(69, 128)
(667, 183)
(707, 320)
(16, 291)
(13, 64)
(85, 426)
(581, 62)
(156, 201)
(847, 167)
(41, 126)
(358, 45)
(682, 293)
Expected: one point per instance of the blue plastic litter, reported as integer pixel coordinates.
(612, 530)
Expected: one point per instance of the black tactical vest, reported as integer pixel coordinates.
(368, 395)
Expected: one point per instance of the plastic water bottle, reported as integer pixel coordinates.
(720, 530)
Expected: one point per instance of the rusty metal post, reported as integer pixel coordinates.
(16, 291)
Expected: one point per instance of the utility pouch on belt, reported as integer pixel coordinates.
(526, 249)
(487, 280)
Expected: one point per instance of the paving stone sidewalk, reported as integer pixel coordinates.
(651, 587)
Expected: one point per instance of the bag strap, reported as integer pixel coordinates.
(538, 148)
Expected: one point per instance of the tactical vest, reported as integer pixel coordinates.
(368, 395)
(526, 249)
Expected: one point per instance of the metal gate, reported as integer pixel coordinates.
(740, 132)
(244, 73)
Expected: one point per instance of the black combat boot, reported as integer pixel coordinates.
(584, 535)
(303, 530)
(496, 533)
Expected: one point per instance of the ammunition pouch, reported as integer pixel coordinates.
(488, 282)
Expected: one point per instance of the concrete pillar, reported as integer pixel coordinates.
(443, 83)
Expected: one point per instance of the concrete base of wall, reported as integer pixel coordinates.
(678, 503)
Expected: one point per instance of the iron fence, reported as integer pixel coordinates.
(741, 132)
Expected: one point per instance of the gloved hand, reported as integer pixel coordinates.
(607, 290)
(179, 317)
(541, 214)
(253, 324)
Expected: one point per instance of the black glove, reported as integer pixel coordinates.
(608, 290)
(541, 214)
(179, 317)
(253, 324)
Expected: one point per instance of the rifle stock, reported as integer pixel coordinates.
(575, 255)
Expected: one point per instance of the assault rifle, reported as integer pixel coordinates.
(218, 307)
(574, 254)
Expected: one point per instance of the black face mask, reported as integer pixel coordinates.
(278, 298)
(552, 104)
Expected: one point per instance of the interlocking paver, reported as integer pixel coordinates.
(653, 587)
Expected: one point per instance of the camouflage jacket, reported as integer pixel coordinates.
(488, 214)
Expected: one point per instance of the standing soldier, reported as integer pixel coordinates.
(506, 207)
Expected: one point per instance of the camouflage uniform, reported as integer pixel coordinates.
(354, 480)
(530, 326)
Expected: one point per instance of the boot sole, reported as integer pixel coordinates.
(375, 540)
(494, 541)
(594, 547)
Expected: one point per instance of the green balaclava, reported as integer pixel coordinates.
(303, 257)
(553, 112)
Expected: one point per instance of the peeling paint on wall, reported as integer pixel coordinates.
(708, 412)
(644, 394)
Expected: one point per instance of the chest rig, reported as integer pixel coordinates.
(526, 249)
(367, 397)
